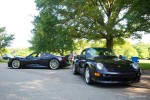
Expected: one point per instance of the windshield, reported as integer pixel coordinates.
(95, 52)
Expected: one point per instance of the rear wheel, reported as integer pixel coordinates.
(54, 64)
(88, 76)
(16, 63)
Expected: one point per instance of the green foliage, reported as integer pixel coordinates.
(112, 20)
(140, 50)
(5, 40)
(19, 51)
(143, 50)
(81, 44)
(48, 34)
(126, 50)
(60, 22)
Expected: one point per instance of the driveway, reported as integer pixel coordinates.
(40, 83)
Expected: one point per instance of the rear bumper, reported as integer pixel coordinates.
(64, 64)
(125, 78)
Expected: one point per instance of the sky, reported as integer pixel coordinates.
(17, 17)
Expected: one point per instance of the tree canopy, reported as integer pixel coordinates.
(48, 35)
(5, 40)
(112, 20)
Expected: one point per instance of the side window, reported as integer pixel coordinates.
(34, 55)
(91, 53)
(88, 54)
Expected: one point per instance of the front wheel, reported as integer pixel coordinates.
(88, 76)
(16, 63)
(54, 64)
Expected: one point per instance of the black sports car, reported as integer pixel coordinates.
(54, 62)
(103, 66)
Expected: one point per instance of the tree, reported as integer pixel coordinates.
(143, 50)
(48, 35)
(127, 50)
(5, 40)
(112, 20)
(19, 51)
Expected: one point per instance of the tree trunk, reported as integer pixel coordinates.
(109, 42)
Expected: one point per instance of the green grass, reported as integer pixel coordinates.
(3, 61)
(144, 64)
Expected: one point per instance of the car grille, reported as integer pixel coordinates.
(119, 69)
(119, 77)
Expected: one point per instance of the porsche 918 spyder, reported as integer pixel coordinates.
(54, 62)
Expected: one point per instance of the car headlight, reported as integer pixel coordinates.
(135, 65)
(100, 66)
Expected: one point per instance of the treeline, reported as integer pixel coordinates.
(127, 49)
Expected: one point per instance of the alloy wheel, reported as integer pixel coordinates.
(87, 75)
(54, 64)
(15, 63)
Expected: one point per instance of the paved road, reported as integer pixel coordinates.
(40, 83)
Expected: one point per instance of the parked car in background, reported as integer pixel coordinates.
(103, 66)
(50, 60)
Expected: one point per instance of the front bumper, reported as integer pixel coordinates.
(9, 63)
(116, 77)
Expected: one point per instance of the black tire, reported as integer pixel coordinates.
(54, 64)
(74, 69)
(16, 64)
(87, 76)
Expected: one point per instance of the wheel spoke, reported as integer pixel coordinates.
(16, 64)
(54, 64)
(87, 75)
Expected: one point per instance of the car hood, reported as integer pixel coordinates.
(114, 63)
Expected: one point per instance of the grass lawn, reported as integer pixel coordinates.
(144, 64)
(3, 61)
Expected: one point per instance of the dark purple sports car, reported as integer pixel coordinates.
(50, 60)
(103, 66)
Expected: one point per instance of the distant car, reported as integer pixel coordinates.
(103, 66)
(7, 56)
(50, 60)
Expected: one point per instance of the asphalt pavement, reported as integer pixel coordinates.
(41, 83)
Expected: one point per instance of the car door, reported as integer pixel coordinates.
(82, 61)
(34, 58)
